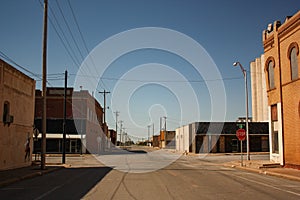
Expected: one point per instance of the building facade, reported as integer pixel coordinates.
(112, 135)
(218, 137)
(166, 139)
(84, 121)
(16, 124)
(259, 90)
(281, 49)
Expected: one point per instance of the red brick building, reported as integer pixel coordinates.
(281, 49)
(112, 135)
(84, 121)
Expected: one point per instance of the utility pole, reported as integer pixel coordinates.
(165, 132)
(148, 134)
(121, 124)
(81, 121)
(44, 88)
(124, 136)
(104, 103)
(160, 126)
(117, 114)
(65, 117)
(165, 125)
(152, 130)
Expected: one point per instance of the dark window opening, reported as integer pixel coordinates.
(6, 115)
(274, 115)
(275, 144)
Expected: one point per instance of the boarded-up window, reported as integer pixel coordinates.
(274, 116)
(294, 63)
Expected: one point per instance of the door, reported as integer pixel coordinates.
(73, 146)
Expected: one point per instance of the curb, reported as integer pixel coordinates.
(290, 177)
(28, 176)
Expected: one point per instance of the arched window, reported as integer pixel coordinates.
(293, 56)
(270, 67)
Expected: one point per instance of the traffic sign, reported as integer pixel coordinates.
(241, 134)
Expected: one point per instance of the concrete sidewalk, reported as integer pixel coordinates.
(266, 167)
(256, 164)
(53, 163)
(14, 175)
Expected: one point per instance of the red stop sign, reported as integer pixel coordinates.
(241, 134)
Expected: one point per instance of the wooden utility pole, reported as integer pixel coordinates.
(104, 94)
(65, 119)
(44, 88)
(121, 124)
(117, 114)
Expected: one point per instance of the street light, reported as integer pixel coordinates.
(247, 110)
(81, 120)
(148, 143)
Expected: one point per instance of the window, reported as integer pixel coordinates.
(6, 115)
(275, 143)
(274, 116)
(294, 62)
(299, 108)
(271, 74)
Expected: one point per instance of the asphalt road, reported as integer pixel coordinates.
(69, 183)
(191, 178)
(186, 178)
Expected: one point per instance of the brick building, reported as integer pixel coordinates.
(167, 139)
(112, 135)
(281, 50)
(17, 114)
(219, 137)
(84, 121)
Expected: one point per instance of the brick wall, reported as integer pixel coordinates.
(276, 45)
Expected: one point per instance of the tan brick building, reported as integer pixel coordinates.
(17, 115)
(281, 46)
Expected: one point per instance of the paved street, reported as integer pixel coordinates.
(69, 183)
(190, 178)
(187, 178)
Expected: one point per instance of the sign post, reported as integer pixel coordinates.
(241, 135)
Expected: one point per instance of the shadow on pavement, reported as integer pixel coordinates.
(67, 183)
(137, 151)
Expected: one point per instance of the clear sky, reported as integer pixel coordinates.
(228, 30)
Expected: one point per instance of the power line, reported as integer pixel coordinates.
(5, 57)
(70, 49)
(84, 42)
(63, 39)
(163, 81)
(73, 38)
(70, 31)
(77, 25)
(59, 36)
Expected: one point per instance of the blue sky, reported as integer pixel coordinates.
(229, 30)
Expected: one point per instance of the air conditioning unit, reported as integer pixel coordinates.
(8, 119)
(11, 119)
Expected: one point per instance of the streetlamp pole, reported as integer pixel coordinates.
(81, 121)
(148, 135)
(247, 108)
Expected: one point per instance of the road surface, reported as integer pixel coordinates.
(186, 178)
